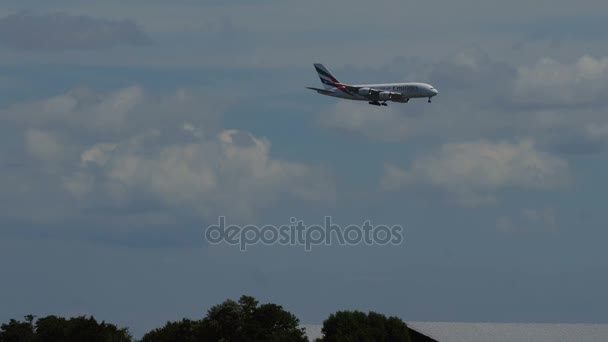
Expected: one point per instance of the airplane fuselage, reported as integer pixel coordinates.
(409, 90)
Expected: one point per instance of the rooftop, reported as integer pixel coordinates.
(500, 332)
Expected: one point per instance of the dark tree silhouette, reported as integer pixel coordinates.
(357, 326)
(247, 321)
(230, 321)
(56, 329)
(16, 331)
(244, 320)
(182, 331)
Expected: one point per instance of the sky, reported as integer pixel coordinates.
(127, 128)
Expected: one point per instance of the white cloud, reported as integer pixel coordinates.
(79, 184)
(111, 112)
(384, 124)
(550, 83)
(528, 220)
(80, 108)
(43, 146)
(98, 154)
(60, 31)
(471, 67)
(107, 152)
(120, 112)
(473, 172)
(229, 174)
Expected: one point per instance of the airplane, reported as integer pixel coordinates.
(375, 94)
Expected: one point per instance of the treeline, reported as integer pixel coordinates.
(53, 328)
(244, 320)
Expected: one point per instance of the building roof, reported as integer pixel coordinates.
(500, 332)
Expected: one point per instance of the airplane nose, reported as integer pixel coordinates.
(435, 92)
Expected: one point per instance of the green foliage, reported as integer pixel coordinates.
(270, 322)
(16, 331)
(247, 321)
(224, 322)
(55, 329)
(230, 321)
(356, 326)
(182, 331)
(87, 329)
(52, 329)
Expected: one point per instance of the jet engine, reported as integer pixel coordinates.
(385, 95)
(365, 91)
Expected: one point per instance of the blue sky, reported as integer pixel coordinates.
(128, 128)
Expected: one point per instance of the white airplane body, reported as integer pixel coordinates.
(375, 94)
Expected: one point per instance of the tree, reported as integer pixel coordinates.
(51, 329)
(270, 322)
(88, 329)
(359, 327)
(57, 329)
(224, 322)
(397, 330)
(17, 331)
(247, 321)
(231, 321)
(182, 331)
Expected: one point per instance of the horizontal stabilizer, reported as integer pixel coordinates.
(321, 91)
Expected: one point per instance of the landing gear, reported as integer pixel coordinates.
(375, 103)
(429, 100)
(384, 104)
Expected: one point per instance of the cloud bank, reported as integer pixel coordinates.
(129, 150)
(472, 172)
(229, 174)
(60, 31)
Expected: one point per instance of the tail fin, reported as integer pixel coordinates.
(328, 80)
